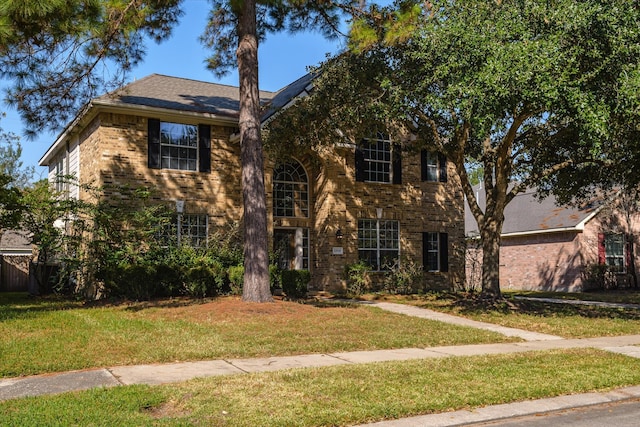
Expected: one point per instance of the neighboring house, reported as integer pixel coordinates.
(555, 248)
(326, 209)
(15, 256)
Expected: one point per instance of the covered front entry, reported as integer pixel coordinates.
(291, 247)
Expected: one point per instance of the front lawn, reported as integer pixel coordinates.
(565, 320)
(340, 395)
(39, 335)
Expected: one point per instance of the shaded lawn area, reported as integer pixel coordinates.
(340, 395)
(565, 320)
(40, 335)
(624, 296)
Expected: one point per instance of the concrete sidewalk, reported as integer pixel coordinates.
(176, 372)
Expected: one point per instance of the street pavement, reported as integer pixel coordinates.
(154, 374)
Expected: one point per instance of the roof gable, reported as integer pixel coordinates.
(527, 214)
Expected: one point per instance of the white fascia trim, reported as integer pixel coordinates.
(577, 229)
(16, 252)
(66, 132)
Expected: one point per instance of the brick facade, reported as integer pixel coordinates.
(113, 150)
(555, 260)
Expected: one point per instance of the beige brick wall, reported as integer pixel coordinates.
(114, 151)
(115, 154)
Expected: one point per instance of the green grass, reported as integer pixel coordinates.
(624, 296)
(52, 335)
(341, 395)
(565, 320)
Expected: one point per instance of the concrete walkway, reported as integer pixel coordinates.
(176, 372)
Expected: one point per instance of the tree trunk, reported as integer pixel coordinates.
(490, 236)
(256, 254)
(632, 262)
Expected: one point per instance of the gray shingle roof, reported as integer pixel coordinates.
(174, 93)
(182, 95)
(15, 240)
(287, 94)
(526, 214)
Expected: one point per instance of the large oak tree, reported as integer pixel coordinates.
(523, 88)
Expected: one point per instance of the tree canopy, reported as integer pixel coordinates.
(59, 54)
(525, 89)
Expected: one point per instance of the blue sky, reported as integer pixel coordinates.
(282, 59)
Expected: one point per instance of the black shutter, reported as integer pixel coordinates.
(444, 252)
(423, 165)
(360, 163)
(154, 160)
(397, 164)
(204, 147)
(442, 164)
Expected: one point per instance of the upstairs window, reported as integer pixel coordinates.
(378, 160)
(290, 190)
(179, 146)
(60, 175)
(434, 166)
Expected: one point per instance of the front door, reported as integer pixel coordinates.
(291, 246)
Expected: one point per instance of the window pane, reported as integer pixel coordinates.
(614, 251)
(432, 249)
(432, 166)
(378, 242)
(179, 146)
(377, 159)
(290, 190)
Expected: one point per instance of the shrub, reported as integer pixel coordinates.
(599, 277)
(236, 279)
(294, 283)
(274, 277)
(358, 278)
(404, 278)
(205, 278)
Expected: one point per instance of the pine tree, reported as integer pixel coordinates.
(59, 54)
(234, 32)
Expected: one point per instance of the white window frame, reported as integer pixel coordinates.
(378, 152)
(171, 142)
(434, 252)
(372, 240)
(433, 167)
(291, 196)
(60, 175)
(615, 252)
(181, 229)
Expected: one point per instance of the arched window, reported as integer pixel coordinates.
(290, 190)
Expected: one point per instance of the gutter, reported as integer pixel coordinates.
(95, 107)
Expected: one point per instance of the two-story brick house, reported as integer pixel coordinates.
(327, 209)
